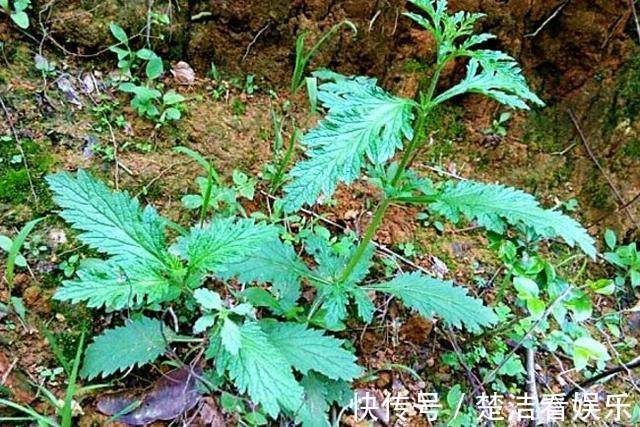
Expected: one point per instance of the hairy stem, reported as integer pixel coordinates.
(423, 111)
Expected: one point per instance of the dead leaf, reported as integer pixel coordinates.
(171, 396)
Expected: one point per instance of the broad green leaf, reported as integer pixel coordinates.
(145, 54)
(526, 287)
(262, 371)
(203, 323)
(116, 285)
(118, 33)
(610, 238)
(223, 242)
(314, 410)
(362, 120)
(586, 349)
(310, 350)
(4, 4)
(110, 222)
(172, 114)
(230, 336)
(602, 286)
(154, 68)
(493, 206)
(273, 262)
(138, 342)
(21, 19)
(431, 297)
(171, 98)
(192, 201)
(208, 299)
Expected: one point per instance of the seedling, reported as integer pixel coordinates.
(17, 12)
(304, 57)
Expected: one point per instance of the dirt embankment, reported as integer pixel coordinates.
(561, 42)
(577, 54)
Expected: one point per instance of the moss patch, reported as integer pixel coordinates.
(14, 179)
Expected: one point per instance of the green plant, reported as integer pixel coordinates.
(275, 170)
(64, 409)
(153, 104)
(626, 259)
(304, 57)
(148, 100)
(12, 247)
(17, 12)
(499, 126)
(263, 337)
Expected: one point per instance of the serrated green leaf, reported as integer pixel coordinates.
(310, 350)
(274, 262)
(493, 206)
(208, 299)
(203, 323)
(496, 75)
(262, 371)
(362, 119)
(313, 412)
(117, 285)
(431, 297)
(138, 342)
(223, 242)
(230, 336)
(110, 222)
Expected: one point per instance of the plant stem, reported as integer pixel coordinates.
(364, 242)
(424, 109)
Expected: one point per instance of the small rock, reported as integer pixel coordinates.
(57, 237)
(183, 74)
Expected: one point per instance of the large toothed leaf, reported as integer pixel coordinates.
(223, 241)
(362, 120)
(274, 262)
(432, 297)
(117, 286)
(310, 350)
(313, 412)
(138, 342)
(263, 372)
(111, 222)
(493, 206)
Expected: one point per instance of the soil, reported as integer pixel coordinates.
(578, 55)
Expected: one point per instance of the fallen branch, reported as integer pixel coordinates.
(583, 138)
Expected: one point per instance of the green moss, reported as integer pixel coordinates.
(445, 123)
(15, 188)
(238, 107)
(628, 94)
(632, 149)
(596, 192)
(549, 130)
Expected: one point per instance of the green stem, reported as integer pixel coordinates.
(423, 111)
(364, 242)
